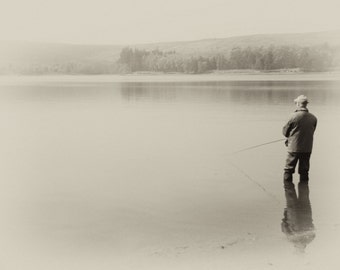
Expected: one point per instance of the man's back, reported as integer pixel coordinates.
(300, 130)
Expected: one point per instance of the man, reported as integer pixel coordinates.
(299, 132)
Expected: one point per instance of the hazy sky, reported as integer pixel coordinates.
(143, 21)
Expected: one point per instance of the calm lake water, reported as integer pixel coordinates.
(142, 175)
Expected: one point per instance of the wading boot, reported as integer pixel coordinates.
(304, 177)
(287, 177)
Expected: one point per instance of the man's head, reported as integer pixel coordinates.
(301, 101)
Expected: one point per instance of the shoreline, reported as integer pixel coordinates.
(174, 77)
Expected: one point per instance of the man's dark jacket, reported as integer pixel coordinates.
(299, 131)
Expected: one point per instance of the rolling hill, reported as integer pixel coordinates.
(224, 45)
(18, 56)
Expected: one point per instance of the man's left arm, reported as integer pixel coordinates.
(286, 129)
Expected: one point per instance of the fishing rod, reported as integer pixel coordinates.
(258, 145)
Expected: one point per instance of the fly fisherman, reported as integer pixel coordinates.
(299, 132)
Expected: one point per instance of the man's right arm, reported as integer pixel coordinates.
(316, 122)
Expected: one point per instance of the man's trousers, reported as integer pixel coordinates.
(292, 159)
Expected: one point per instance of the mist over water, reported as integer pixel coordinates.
(141, 175)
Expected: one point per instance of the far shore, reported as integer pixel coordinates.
(246, 75)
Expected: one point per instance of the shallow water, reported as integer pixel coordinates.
(135, 175)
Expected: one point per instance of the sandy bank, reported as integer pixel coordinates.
(230, 76)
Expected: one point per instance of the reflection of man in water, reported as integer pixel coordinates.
(299, 132)
(297, 222)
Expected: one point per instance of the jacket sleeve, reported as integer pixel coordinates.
(316, 122)
(286, 129)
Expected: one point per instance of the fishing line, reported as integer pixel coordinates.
(255, 182)
(247, 175)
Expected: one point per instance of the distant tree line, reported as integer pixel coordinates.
(317, 58)
(62, 68)
(313, 58)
